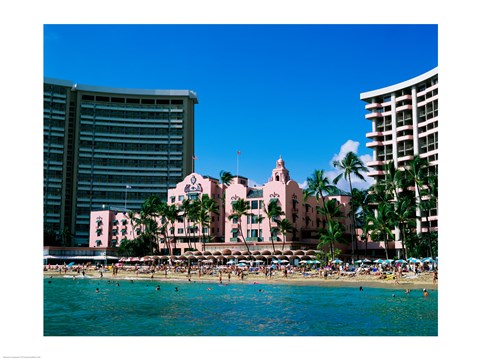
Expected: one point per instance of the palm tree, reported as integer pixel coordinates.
(331, 235)
(273, 212)
(171, 214)
(380, 225)
(226, 177)
(317, 185)
(207, 207)
(187, 212)
(361, 202)
(351, 165)
(240, 208)
(417, 173)
(331, 210)
(134, 221)
(284, 226)
(404, 216)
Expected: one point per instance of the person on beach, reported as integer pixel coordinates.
(220, 276)
(396, 276)
(229, 276)
(435, 276)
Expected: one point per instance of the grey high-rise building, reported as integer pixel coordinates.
(111, 147)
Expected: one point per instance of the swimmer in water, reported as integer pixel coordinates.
(158, 288)
(96, 290)
(176, 289)
(425, 293)
(407, 291)
(361, 288)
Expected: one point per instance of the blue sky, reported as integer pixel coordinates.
(266, 90)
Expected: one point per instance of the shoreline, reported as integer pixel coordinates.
(420, 282)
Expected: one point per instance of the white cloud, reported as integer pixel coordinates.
(350, 145)
(303, 185)
(342, 184)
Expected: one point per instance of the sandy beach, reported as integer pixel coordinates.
(422, 280)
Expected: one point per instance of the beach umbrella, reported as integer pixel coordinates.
(388, 261)
(337, 261)
(400, 261)
(230, 262)
(413, 260)
(359, 262)
(378, 261)
(284, 261)
(428, 259)
(367, 260)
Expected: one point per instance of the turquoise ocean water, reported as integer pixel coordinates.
(73, 308)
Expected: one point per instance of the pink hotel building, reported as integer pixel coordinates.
(404, 123)
(109, 227)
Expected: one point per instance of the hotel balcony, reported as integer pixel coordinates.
(404, 138)
(429, 100)
(405, 158)
(403, 97)
(373, 106)
(404, 127)
(427, 90)
(374, 134)
(379, 143)
(404, 107)
(373, 115)
(375, 163)
(376, 173)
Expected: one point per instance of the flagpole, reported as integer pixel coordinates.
(238, 154)
(126, 189)
(193, 163)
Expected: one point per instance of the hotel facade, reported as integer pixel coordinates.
(404, 121)
(111, 148)
(109, 227)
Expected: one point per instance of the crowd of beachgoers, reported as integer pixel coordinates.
(386, 272)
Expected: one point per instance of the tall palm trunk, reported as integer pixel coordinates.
(352, 215)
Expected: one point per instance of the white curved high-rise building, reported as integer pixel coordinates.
(404, 120)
